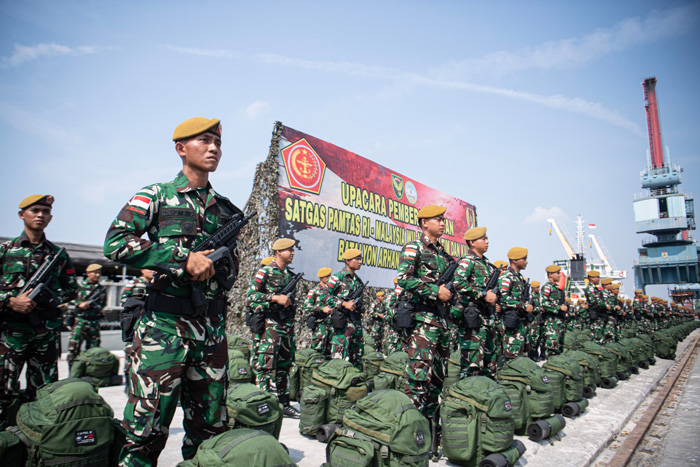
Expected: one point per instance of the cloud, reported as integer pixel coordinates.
(255, 109)
(215, 53)
(541, 214)
(24, 53)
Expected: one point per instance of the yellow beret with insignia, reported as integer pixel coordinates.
(396, 280)
(351, 253)
(593, 274)
(323, 272)
(517, 253)
(46, 200)
(553, 268)
(500, 264)
(282, 244)
(615, 285)
(266, 261)
(431, 211)
(195, 126)
(93, 267)
(606, 281)
(380, 294)
(637, 290)
(534, 284)
(475, 233)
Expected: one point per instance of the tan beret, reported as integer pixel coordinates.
(431, 211)
(266, 261)
(93, 267)
(351, 253)
(593, 274)
(637, 290)
(553, 268)
(615, 285)
(606, 281)
(282, 244)
(475, 233)
(396, 280)
(517, 253)
(323, 272)
(195, 126)
(500, 264)
(380, 294)
(534, 284)
(46, 200)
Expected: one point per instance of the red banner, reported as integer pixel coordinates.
(331, 199)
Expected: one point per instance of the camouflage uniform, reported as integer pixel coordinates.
(86, 323)
(535, 331)
(20, 341)
(512, 287)
(347, 342)
(597, 312)
(134, 288)
(395, 337)
(609, 334)
(276, 351)
(477, 347)
(313, 305)
(420, 266)
(179, 353)
(377, 318)
(550, 301)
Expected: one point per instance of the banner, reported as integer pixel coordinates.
(331, 199)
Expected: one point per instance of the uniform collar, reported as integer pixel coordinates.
(183, 185)
(23, 239)
(426, 241)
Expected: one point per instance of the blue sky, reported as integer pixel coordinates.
(525, 109)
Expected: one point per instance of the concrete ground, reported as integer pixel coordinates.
(581, 441)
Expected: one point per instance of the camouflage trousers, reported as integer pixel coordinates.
(597, 327)
(514, 341)
(428, 349)
(347, 344)
(395, 341)
(376, 330)
(321, 338)
(275, 357)
(40, 353)
(127, 365)
(167, 369)
(533, 335)
(84, 330)
(553, 335)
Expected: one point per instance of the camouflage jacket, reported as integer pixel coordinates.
(176, 217)
(313, 303)
(512, 287)
(420, 266)
(536, 300)
(269, 281)
(377, 312)
(341, 286)
(136, 287)
(471, 278)
(85, 291)
(19, 260)
(550, 296)
(594, 297)
(391, 301)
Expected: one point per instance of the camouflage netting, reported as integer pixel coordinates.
(255, 243)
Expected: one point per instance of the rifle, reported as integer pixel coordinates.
(223, 242)
(289, 290)
(40, 293)
(356, 296)
(92, 301)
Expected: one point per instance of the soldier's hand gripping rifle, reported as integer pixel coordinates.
(356, 296)
(40, 292)
(91, 300)
(447, 279)
(289, 290)
(223, 242)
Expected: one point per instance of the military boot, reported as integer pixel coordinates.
(288, 409)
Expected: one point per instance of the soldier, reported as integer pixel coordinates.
(29, 331)
(136, 288)
(476, 326)
(597, 308)
(84, 320)
(395, 336)
(513, 287)
(347, 342)
(179, 350)
(255, 333)
(377, 317)
(609, 334)
(535, 327)
(276, 352)
(314, 306)
(554, 307)
(421, 264)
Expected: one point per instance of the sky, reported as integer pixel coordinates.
(527, 110)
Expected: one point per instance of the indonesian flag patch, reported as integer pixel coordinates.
(139, 203)
(260, 276)
(410, 251)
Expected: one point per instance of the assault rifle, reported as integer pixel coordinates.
(92, 301)
(447, 279)
(223, 242)
(356, 296)
(289, 290)
(493, 280)
(40, 292)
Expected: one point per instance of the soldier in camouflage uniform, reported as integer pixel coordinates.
(475, 316)
(609, 329)
(513, 288)
(377, 318)
(395, 337)
(84, 319)
(136, 288)
(179, 350)
(347, 342)
(554, 307)
(534, 329)
(29, 331)
(277, 348)
(421, 264)
(257, 336)
(639, 312)
(314, 305)
(597, 308)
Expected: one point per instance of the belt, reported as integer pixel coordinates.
(183, 306)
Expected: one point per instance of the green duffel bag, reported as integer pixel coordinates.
(591, 370)
(238, 447)
(538, 393)
(606, 359)
(345, 385)
(572, 389)
(383, 428)
(68, 424)
(306, 361)
(241, 344)
(371, 362)
(97, 365)
(454, 362)
(313, 405)
(477, 419)
(239, 369)
(556, 379)
(624, 360)
(12, 450)
(250, 407)
(664, 345)
(392, 371)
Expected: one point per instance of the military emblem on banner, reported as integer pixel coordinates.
(305, 168)
(397, 185)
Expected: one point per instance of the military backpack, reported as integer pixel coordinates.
(305, 362)
(239, 369)
(568, 397)
(98, 366)
(250, 407)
